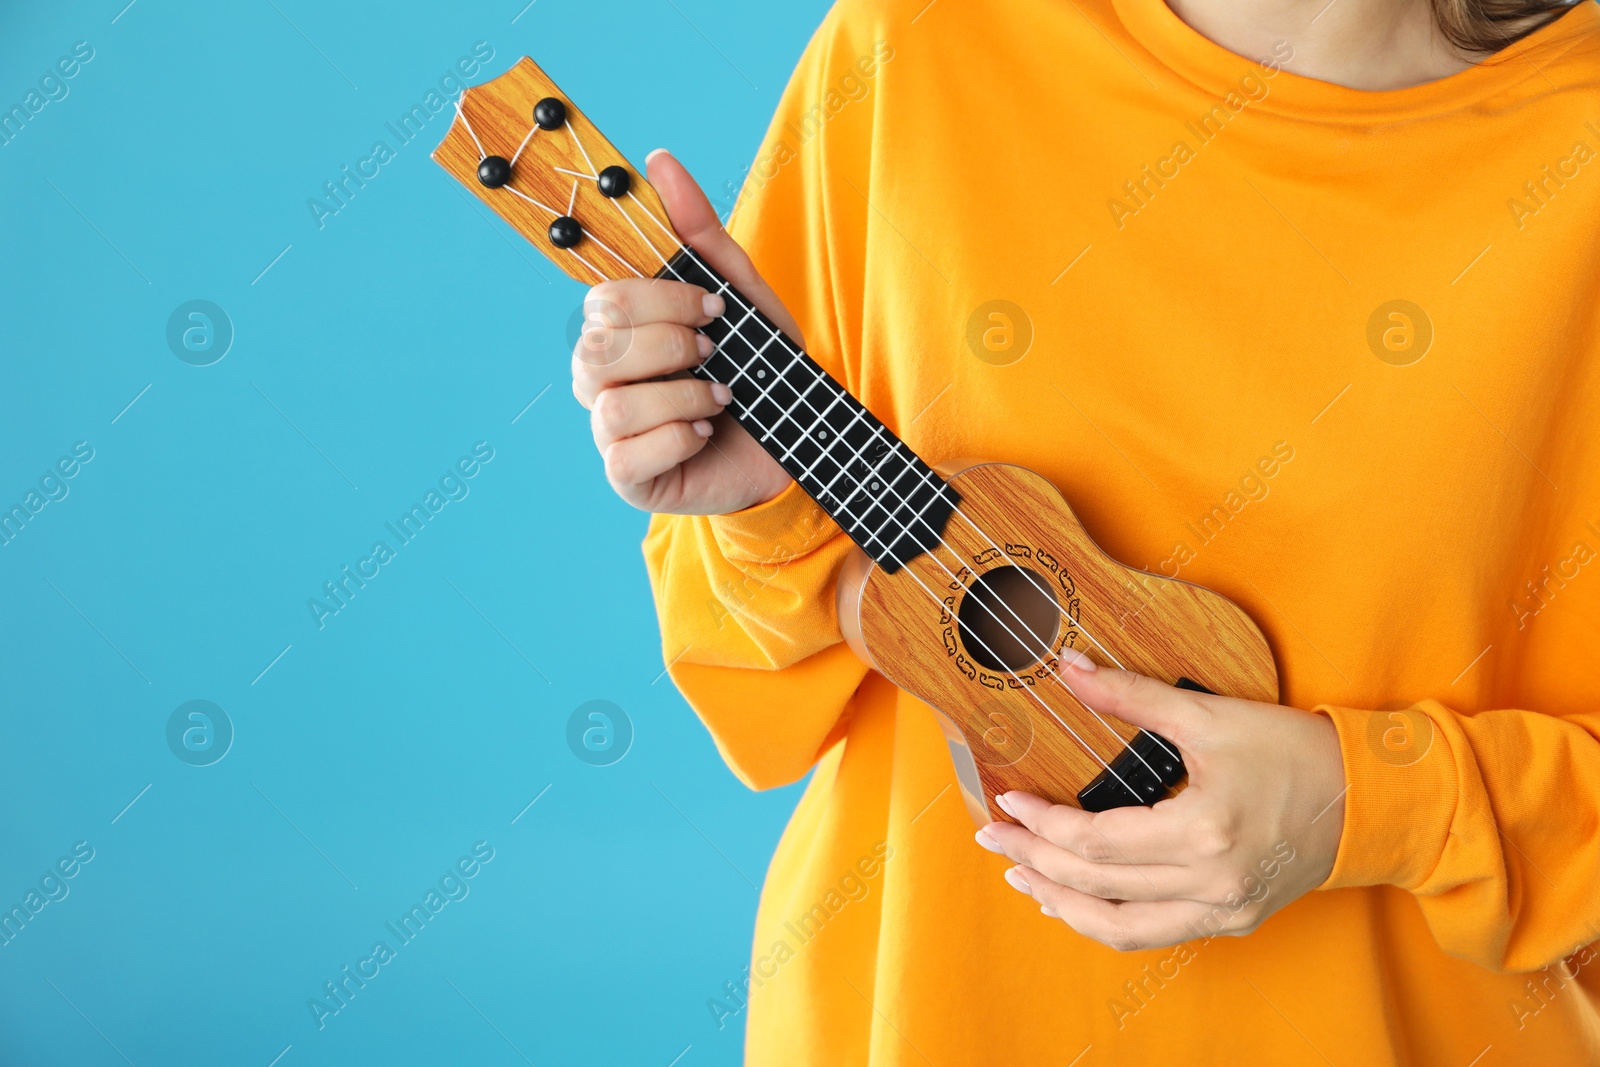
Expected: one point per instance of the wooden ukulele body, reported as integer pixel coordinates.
(1008, 716)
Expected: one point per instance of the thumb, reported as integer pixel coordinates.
(1136, 699)
(696, 223)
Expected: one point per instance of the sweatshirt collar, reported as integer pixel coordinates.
(1180, 48)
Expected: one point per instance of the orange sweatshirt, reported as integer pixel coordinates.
(1332, 353)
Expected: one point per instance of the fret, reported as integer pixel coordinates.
(874, 486)
(883, 496)
(761, 396)
(868, 484)
(862, 470)
(786, 406)
(891, 517)
(843, 465)
(808, 435)
(799, 398)
(783, 393)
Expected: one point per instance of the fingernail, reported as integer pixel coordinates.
(1016, 881)
(703, 344)
(712, 304)
(1074, 658)
(702, 427)
(1005, 806)
(985, 841)
(1044, 909)
(654, 152)
(721, 393)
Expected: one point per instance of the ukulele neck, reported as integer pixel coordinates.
(880, 493)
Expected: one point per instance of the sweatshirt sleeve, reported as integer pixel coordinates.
(750, 633)
(1492, 820)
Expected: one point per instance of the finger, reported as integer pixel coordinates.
(636, 301)
(629, 410)
(1125, 927)
(1109, 881)
(1178, 715)
(696, 221)
(605, 356)
(634, 462)
(1163, 834)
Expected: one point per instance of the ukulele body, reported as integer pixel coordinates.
(1007, 714)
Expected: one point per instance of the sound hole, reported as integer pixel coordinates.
(1008, 618)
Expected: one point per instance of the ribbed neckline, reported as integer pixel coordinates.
(1208, 65)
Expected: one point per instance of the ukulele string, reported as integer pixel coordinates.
(1043, 646)
(1063, 613)
(939, 490)
(592, 237)
(1072, 623)
(945, 609)
(535, 129)
(778, 336)
(462, 115)
(595, 177)
(626, 217)
(531, 131)
(940, 603)
(923, 481)
(574, 135)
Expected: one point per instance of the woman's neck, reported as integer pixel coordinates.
(1362, 44)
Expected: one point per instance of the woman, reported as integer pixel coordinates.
(1293, 300)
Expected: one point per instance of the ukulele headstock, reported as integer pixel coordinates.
(519, 145)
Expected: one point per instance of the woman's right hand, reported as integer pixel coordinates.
(668, 444)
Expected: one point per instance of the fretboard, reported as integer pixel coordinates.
(880, 493)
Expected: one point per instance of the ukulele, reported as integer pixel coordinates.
(969, 580)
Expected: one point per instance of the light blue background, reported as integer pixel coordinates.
(366, 360)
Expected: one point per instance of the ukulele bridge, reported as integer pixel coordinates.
(1151, 766)
(1147, 768)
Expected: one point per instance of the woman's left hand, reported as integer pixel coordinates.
(1257, 827)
